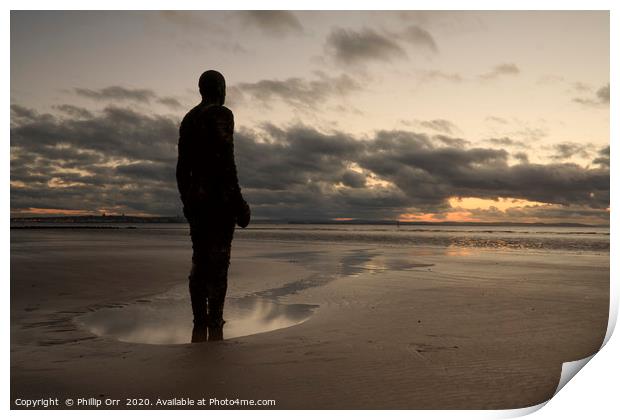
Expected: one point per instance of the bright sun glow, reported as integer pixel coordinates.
(472, 203)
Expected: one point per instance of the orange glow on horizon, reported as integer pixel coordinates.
(35, 211)
(455, 216)
(502, 203)
(64, 212)
(461, 209)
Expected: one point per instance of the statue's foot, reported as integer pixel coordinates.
(216, 330)
(199, 333)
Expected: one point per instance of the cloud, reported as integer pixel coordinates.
(439, 124)
(527, 132)
(117, 93)
(521, 157)
(600, 99)
(505, 69)
(547, 79)
(123, 94)
(451, 141)
(188, 20)
(84, 162)
(198, 32)
(603, 94)
(356, 46)
(428, 175)
(506, 141)
(551, 213)
(353, 179)
(74, 111)
(352, 47)
(170, 102)
(123, 160)
(581, 87)
(420, 38)
(496, 120)
(432, 75)
(603, 157)
(568, 150)
(114, 132)
(297, 91)
(273, 22)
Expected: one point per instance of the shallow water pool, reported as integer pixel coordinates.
(168, 320)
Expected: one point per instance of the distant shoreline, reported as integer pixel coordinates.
(174, 219)
(97, 227)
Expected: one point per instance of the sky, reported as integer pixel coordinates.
(415, 116)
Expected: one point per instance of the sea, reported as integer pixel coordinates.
(580, 239)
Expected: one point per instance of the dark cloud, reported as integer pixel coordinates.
(117, 158)
(351, 47)
(20, 114)
(299, 156)
(569, 149)
(123, 160)
(297, 91)
(506, 141)
(505, 69)
(117, 93)
(420, 38)
(521, 157)
(603, 157)
(74, 111)
(441, 125)
(531, 134)
(273, 22)
(170, 102)
(603, 94)
(356, 46)
(551, 213)
(123, 94)
(354, 179)
(451, 141)
(428, 175)
(114, 132)
(600, 99)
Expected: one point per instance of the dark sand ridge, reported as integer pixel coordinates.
(477, 329)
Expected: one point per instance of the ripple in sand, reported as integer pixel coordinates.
(169, 320)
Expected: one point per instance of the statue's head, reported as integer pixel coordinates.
(212, 87)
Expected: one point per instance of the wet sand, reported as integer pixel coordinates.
(391, 327)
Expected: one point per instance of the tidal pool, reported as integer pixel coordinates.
(168, 320)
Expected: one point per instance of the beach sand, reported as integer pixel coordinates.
(408, 328)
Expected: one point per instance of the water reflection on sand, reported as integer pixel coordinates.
(169, 320)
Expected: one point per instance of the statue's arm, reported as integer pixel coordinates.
(183, 172)
(241, 207)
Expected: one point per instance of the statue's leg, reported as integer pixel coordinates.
(217, 284)
(198, 277)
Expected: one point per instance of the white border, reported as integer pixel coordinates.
(591, 394)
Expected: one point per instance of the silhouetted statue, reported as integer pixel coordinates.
(212, 201)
